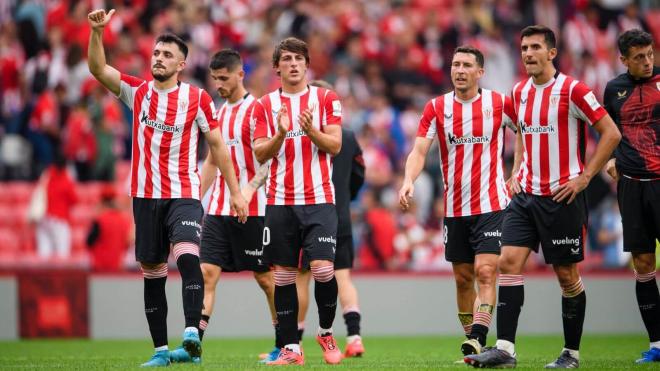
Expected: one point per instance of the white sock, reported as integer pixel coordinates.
(352, 338)
(323, 331)
(164, 347)
(293, 347)
(655, 344)
(506, 346)
(191, 329)
(574, 353)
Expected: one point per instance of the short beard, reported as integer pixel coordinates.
(161, 78)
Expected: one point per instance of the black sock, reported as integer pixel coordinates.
(572, 312)
(278, 337)
(286, 305)
(479, 332)
(325, 294)
(202, 325)
(301, 331)
(155, 307)
(192, 288)
(648, 300)
(352, 320)
(510, 303)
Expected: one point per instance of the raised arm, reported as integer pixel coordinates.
(105, 74)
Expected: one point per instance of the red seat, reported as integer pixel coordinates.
(21, 192)
(10, 240)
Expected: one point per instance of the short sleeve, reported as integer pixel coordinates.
(128, 85)
(509, 117)
(427, 124)
(206, 119)
(260, 121)
(584, 105)
(332, 109)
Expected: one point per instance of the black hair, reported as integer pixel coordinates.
(172, 38)
(547, 33)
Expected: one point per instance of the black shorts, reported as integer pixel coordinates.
(344, 255)
(467, 236)
(639, 204)
(160, 223)
(233, 246)
(289, 228)
(560, 228)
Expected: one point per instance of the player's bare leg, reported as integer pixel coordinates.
(485, 269)
(465, 294)
(348, 298)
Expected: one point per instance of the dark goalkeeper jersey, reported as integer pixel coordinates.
(634, 105)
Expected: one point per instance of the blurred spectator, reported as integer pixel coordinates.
(53, 232)
(377, 250)
(110, 235)
(610, 235)
(80, 142)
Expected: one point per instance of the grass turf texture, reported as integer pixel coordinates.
(598, 352)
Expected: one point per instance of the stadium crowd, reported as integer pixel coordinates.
(385, 58)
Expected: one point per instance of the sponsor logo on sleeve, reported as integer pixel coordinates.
(591, 100)
(336, 108)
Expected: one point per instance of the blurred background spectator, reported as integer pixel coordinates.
(386, 58)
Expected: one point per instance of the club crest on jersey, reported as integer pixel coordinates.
(554, 100)
(488, 113)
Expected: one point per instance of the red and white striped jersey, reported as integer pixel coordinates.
(300, 174)
(235, 120)
(471, 138)
(551, 119)
(166, 125)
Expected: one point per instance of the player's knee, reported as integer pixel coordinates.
(264, 280)
(323, 273)
(644, 263)
(211, 274)
(486, 274)
(464, 281)
(151, 271)
(508, 264)
(567, 275)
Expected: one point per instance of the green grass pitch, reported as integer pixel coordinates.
(402, 353)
